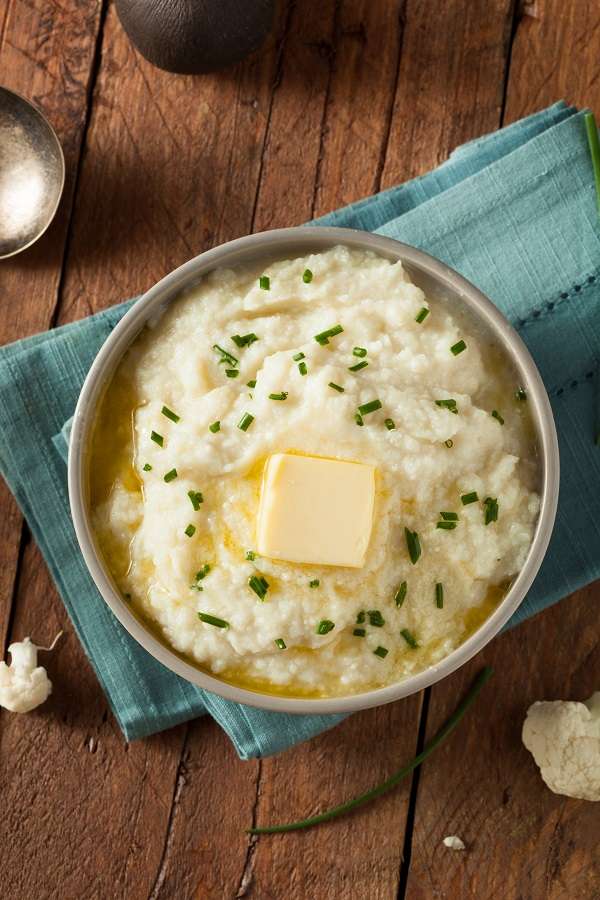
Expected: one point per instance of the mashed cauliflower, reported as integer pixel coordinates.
(185, 544)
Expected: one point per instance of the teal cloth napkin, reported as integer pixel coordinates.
(515, 213)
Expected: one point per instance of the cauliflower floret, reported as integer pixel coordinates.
(23, 684)
(564, 738)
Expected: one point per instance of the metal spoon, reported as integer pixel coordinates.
(32, 173)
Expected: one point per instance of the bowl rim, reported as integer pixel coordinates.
(271, 244)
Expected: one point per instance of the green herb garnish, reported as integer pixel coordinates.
(302, 368)
(232, 373)
(314, 583)
(281, 396)
(190, 530)
(449, 516)
(196, 499)
(147, 467)
(361, 617)
(413, 544)
(406, 634)
(203, 572)
(457, 348)
(226, 357)
(497, 415)
(422, 315)
(245, 422)
(369, 407)
(448, 404)
(259, 585)
(170, 476)
(490, 514)
(594, 145)
(375, 618)
(325, 626)
(381, 652)
(244, 340)
(465, 499)
(264, 282)
(439, 595)
(216, 426)
(359, 351)
(213, 620)
(323, 337)
(336, 387)
(298, 356)
(390, 424)
(250, 555)
(400, 595)
(358, 366)
(449, 443)
(280, 644)
(307, 276)
(359, 632)
(170, 414)
(446, 526)
(398, 776)
(251, 384)
(358, 419)
(157, 438)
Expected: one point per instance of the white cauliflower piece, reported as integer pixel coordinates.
(23, 684)
(453, 842)
(564, 738)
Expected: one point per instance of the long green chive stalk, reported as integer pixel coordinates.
(333, 813)
(594, 144)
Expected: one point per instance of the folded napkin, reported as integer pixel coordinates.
(514, 212)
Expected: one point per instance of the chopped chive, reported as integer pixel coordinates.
(314, 583)
(336, 387)
(325, 626)
(232, 373)
(457, 348)
(520, 395)
(281, 396)
(449, 516)
(259, 585)
(323, 337)
(449, 404)
(361, 617)
(225, 356)
(439, 595)
(497, 415)
(465, 499)
(170, 414)
(358, 419)
(490, 510)
(307, 276)
(302, 368)
(369, 407)
(147, 467)
(422, 315)
(245, 422)
(196, 499)
(449, 443)
(400, 595)
(244, 340)
(446, 526)
(157, 438)
(298, 356)
(264, 282)
(213, 620)
(252, 383)
(216, 426)
(359, 351)
(381, 652)
(358, 366)
(375, 618)
(413, 544)
(170, 476)
(280, 644)
(196, 587)
(250, 555)
(190, 530)
(359, 632)
(406, 634)
(203, 572)
(390, 424)
(594, 145)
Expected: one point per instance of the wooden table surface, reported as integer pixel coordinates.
(346, 97)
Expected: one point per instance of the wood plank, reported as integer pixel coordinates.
(35, 39)
(554, 57)
(522, 840)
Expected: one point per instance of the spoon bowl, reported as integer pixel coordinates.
(32, 173)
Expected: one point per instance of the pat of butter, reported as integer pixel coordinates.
(316, 510)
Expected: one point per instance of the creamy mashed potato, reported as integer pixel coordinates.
(184, 544)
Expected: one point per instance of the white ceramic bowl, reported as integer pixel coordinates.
(437, 279)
